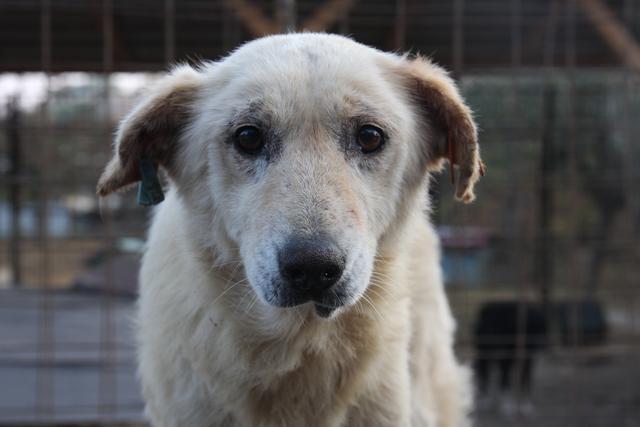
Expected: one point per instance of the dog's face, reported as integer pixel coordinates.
(303, 150)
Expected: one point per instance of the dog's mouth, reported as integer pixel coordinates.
(312, 272)
(324, 311)
(325, 304)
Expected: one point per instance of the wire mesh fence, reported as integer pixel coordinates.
(541, 270)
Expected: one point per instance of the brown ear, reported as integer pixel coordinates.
(439, 100)
(151, 129)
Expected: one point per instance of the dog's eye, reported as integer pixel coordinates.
(249, 139)
(370, 138)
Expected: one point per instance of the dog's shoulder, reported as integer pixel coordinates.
(169, 256)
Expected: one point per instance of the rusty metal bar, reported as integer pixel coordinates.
(400, 33)
(14, 187)
(169, 31)
(107, 387)
(575, 279)
(457, 38)
(46, 340)
(286, 15)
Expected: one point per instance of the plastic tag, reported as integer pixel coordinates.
(149, 189)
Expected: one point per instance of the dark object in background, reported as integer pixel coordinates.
(581, 322)
(496, 336)
(497, 345)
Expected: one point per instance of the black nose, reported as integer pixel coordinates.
(311, 264)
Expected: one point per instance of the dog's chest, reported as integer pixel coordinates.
(318, 382)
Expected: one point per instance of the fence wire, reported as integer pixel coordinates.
(541, 271)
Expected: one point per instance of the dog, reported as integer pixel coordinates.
(507, 338)
(291, 276)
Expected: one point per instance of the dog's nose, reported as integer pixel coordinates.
(311, 264)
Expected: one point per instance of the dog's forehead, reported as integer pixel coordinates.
(312, 48)
(306, 74)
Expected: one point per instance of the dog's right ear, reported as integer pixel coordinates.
(151, 130)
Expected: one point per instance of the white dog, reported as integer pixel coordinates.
(291, 276)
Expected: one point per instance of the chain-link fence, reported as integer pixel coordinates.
(541, 270)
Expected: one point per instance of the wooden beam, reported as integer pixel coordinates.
(327, 14)
(252, 17)
(400, 30)
(612, 31)
(117, 45)
(259, 25)
(286, 15)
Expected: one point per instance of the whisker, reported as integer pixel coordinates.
(381, 286)
(240, 304)
(368, 301)
(382, 275)
(254, 300)
(374, 292)
(213, 267)
(228, 289)
(233, 261)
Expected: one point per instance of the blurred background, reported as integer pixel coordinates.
(542, 270)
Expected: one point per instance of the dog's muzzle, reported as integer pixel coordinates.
(310, 270)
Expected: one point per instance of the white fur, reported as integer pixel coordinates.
(212, 349)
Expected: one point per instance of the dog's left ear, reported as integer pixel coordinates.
(453, 135)
(148, 136)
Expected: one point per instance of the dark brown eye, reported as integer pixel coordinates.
(249, 139)
(370, 138)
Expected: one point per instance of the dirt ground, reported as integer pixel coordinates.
(592, 388)
(596, 387)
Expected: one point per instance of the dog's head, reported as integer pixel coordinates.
(303, 150)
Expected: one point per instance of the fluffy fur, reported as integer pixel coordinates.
(215, 349)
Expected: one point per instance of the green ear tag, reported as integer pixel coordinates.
(149, 189)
